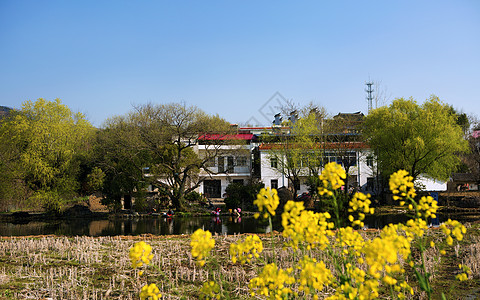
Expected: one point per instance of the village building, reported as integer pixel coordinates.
(249, 157)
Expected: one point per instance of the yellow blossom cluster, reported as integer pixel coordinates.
(453, 228)
(427, 207)
(401, 185)
(465, 272)
(332, 178)
(140, 254)
(414, 228)
(361, 203)
(366, 290)
(313, 275)
(246, 250)
(202, 243)
(150, 292)
(382, 254)
(272, 282)
(359, 267)
(359, 287)
(349, 240)
(267, 201)
(210, 290)
(302, 226)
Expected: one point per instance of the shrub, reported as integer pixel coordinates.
(239, 195)
(194, 197)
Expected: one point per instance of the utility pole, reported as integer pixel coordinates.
(369, 91)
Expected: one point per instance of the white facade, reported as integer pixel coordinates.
(236, 163)
(232, 164)
(358, 174)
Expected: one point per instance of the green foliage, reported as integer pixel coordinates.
(95, 180)
(119, 166)
(141, 204)
(50, 200)
(422, 139)
(42, 146)
(113, 204)
(193, 196)
(239, 195)
(313, 183)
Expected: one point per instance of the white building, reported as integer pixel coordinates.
(250, 159)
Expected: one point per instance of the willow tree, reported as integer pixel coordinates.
(43, 143)
(422, 139)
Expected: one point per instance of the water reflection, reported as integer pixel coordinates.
(177, 225)
(134, 226)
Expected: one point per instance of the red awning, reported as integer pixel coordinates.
(222, 137)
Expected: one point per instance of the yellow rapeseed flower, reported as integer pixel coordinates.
(401, 185)
(202, 243)
(332, 177)
(302, 226)
(140, 254)
(427, 206)
(210, 290)
(453, 228)
(361, 203)
(272, 282)
(245, 251)
(267, 201)
(150, 292)
(313, 275)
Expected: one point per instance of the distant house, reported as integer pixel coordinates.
(250, 158)
(232, 162)
(464, 182)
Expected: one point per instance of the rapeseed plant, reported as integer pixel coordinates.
(150, 292)
(248, 249)
(273, 283)
(210, 290)
(267, 201)
(140, 254)
(356, 267)
(202, 243)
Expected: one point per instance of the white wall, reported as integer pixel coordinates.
(432, 184)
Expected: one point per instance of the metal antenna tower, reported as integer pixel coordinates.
(369, 91)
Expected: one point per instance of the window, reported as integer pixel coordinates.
(211, 162)
(274, 183)
(242, 161)
(342, 158)
(274, 162)
(230, 164)
(221, 164)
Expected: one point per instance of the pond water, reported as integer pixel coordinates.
(177, 225)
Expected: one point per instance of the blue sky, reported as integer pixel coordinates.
(231, 57)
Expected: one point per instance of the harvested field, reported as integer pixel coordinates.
(99, 268)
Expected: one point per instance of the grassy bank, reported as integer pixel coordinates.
(99, 268)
